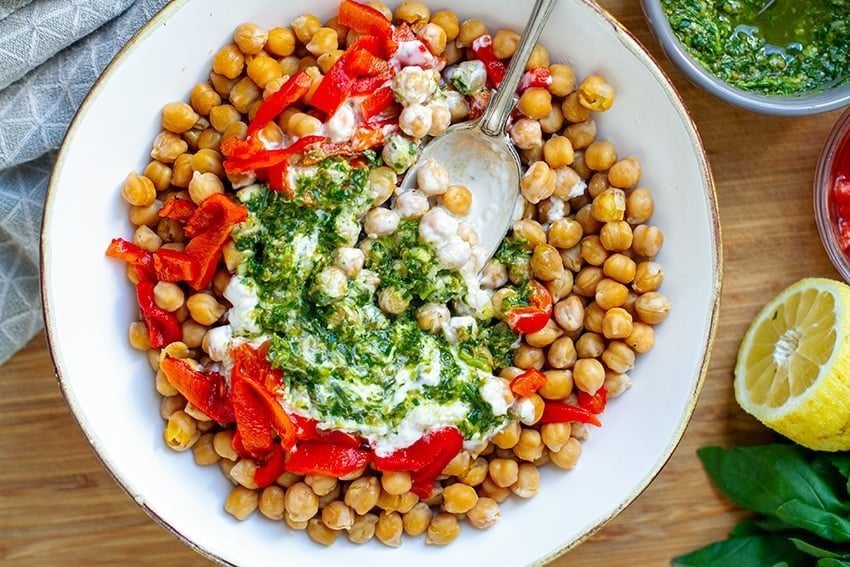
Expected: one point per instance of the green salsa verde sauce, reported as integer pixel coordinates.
(773, 47)
(347, 363)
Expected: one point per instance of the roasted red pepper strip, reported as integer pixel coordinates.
(322, 457)
(306, 429)
(363, 62)
(451, 443)
(205, 390)
(365, 20)
(537, 77)
(139, 258)
(534, 317)
(292, 91)
(261, 159)
(419, 454)
(174, 266)
(482, 48)
(377, 102)
(594, 403)
(363, 139)
(273, 465)
(259, 414)
(558, 412)
(180, 210)
(334, 88)
(163, 327)
(528, 382)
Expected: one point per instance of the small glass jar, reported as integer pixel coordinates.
(832, 196)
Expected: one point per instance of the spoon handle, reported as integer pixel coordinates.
(496, 116)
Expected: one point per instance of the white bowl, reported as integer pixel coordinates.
(89, 304)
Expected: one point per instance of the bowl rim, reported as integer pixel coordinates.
(821, 193)
(804, 105)
(626, 38)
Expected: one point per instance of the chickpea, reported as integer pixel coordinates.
(470, 30)
(489, 490)
(396, 483)
(558, 152)
(616, 236)
(538, 182)
(565, 233)
(530, 446)
(625, 173)
(448, 21)
(441, 119)
(432, 317)
(484, 514)
(459, 498)
(244, 93)
(434, 38)
(561, 286)
(555, 435)
(598, 184)
(535, 103)
(168, 296)
(620, 268)
(290, 65)
(382, 184)
(639, 206)
(527, 134)
(389, 528)
(323, 40)
(363, 528)
(539, 57)
(241, 502)
(618, 357)
(147, 239)
(181, 431)
(443, 529)
(476, 474)
(584, 217)
(138, 190)
(494, 275)
(416, 521)
(381, 7)
(585, 283)
(301, 502)
(595, 94)
(581, 134)
(559, 383)
(320, 484)
(223, 445)
(567, 456)
(204, 308)
(221, 84)
(642, 337)
(530, 231)
(600, 156)
(648, 277)
(617, 324)
(528, 480)
(271, 502)
(170, 405)
(508, 437)
(320, 533)
(505, 43)
(503, 472)
(616, 383)
(545, 336)
(652, 307)
(589, 374)
(457, 199)
(229, 61)
(546, 262)
(590, 345)
(203, 98)
(204, 185)
(222, 116)
(243, 473)
(647, 240)
(527, 356)
(299, 525)
(459, 465)
(139, 338)
(552, 122)
(413, 13)
(337, 516)
(362, 494)
(281, 42)
(573, 110)
(610, 206)
(610, 293)
(305, 26)
(262, 69)
(592, 250)
(391, 301)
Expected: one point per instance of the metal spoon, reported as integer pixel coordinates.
(480, 154)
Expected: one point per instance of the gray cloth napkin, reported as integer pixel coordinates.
(51, 52)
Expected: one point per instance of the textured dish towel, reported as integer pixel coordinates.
(51, 52)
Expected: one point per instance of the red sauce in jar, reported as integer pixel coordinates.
(839, 194)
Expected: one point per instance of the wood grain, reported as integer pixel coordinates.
(59, 506)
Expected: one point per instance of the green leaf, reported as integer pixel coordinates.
(831, 562)
(763, 477)
(759, 525)
(752, 551)
(816, 520)
(813, 550)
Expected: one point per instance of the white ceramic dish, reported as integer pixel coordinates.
(88, 301)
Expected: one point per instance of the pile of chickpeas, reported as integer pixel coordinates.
(585, 224)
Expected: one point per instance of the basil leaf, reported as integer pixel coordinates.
(816, 520)
(831, 562)
(812, 550)
(762, 478)
(755, 551)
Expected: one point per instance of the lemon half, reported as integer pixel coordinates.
(793, 368)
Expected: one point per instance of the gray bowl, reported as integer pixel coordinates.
(813, 103)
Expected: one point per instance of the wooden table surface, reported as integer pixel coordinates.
(59, 506)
